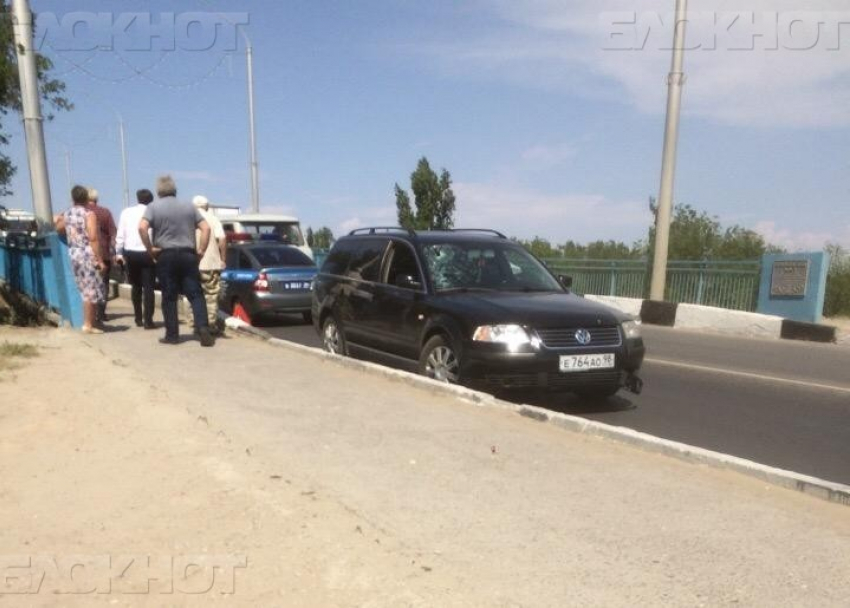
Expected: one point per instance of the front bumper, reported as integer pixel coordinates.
(493, 367)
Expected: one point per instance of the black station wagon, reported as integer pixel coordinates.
(471, 307)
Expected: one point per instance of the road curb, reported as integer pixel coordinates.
(813, 486)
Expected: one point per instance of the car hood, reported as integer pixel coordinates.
(538, 310)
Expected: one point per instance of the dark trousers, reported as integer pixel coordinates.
(141, 272)
(177, 270)
(100, 312)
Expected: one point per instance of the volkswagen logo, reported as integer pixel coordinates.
(583, 337)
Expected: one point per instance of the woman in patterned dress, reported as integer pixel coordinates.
(79, 225)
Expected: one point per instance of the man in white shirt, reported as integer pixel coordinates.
(213, 261)
(141, 269)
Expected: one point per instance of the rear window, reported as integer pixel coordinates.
(365, 264)
(356, 259)
(338, 258)
(280, 256)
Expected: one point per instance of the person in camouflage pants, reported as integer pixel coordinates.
(212, 263)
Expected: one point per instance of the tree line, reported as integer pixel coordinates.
(694, 236)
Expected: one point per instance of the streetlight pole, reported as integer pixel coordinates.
(33, 120)
(675, 82)
(122, 136)
(252, 129)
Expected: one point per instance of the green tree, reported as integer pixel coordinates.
(540, 247)
(574, 250)
(322, 238)
(696, 235)
(610, 250)
(740, 243)
(51, 90)
(433, 200)
(838, 282)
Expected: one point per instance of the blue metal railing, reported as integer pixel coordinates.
(731, 285)
(40, 268)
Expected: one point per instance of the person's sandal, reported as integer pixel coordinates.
(92, 330)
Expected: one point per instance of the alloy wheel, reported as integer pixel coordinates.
(442, 365)
(330, 337)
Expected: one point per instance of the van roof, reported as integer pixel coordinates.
(259, 217)
(18, 214)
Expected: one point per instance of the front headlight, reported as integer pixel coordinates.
(513, 336)
(631, 329)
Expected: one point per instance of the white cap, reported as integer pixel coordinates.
(201, 202)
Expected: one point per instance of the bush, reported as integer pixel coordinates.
(837, 301)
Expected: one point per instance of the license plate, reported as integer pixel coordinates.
(583, 363)
(294, 285)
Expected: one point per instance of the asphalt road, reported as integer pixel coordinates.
(781, 403)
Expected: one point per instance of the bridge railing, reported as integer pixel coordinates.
(625, 278)
(40, 268)
(731, 285)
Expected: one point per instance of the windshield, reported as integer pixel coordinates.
(19, 225)
(502, 267)
(286, 232)
(270, 257)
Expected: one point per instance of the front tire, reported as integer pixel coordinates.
(333, 340)
(440, 360)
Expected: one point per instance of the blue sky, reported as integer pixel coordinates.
(546, 129)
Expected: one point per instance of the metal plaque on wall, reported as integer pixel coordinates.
(789, 278)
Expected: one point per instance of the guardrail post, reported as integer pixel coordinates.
(701, 282)
(613, 287)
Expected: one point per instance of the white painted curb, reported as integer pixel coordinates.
(738, 322)
(813, 486)
(630, 306)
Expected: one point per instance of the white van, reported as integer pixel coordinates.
(17, 222)
(258, 227)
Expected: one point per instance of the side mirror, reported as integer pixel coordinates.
(406, 281)
(565, 280)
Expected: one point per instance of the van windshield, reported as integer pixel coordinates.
(269, 257)
(497, 267)
(285, 232)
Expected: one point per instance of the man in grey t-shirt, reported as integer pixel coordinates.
(173, 248)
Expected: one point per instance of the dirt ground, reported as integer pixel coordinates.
(134, 474)
(85, 444)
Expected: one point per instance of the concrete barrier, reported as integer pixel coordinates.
(720, 320)
(630, 306)
(738, 322)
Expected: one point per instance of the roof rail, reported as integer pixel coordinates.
(377, 229)
(487, 230)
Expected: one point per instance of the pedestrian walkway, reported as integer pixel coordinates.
(347, 489)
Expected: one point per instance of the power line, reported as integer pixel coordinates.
(141, 73)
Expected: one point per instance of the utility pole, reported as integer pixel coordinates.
(33, 120)
(122, 137)
(252, 129)
(675, 82)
